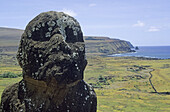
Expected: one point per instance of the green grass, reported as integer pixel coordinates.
(130, 94)
(4, 42)
(110, 100)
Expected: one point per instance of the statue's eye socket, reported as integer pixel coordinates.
(42, 34)
(72, 36)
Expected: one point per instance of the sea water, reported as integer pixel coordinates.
(161, 52)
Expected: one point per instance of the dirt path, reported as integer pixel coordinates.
(151, 80)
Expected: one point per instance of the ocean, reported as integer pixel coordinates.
(161, 52)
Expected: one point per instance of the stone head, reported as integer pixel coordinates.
(52, 47)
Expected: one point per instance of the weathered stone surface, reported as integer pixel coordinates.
(52, 56)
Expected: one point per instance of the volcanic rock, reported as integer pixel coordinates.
(52, 57)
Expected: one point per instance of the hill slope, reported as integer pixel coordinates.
(10, 36)
(9, 40)
(10, 33)
(106, 45)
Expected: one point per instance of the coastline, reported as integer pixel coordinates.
(147, 52)
(136, 58)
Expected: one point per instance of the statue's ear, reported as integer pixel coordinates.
(20, 55)
(84, 64)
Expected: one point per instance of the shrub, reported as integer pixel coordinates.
(103, 80)
(10, 75)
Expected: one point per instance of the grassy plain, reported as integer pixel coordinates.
(128, 89)
(122, 84)
(4, 42)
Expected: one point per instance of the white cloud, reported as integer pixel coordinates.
(153, 29)
(92, 5)
(69, 12)
(139, 24)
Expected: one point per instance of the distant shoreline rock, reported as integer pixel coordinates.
(106, 46)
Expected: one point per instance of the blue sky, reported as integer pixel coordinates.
(142, 22)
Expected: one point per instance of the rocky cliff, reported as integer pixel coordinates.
(106, 45)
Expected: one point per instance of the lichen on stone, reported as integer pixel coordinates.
(50, 29)
(51, 23)
(48, 34)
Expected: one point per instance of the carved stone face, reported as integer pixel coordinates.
(51, 47)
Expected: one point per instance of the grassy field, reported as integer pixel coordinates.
(121, 84)
(129, 89)
(4, 42)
